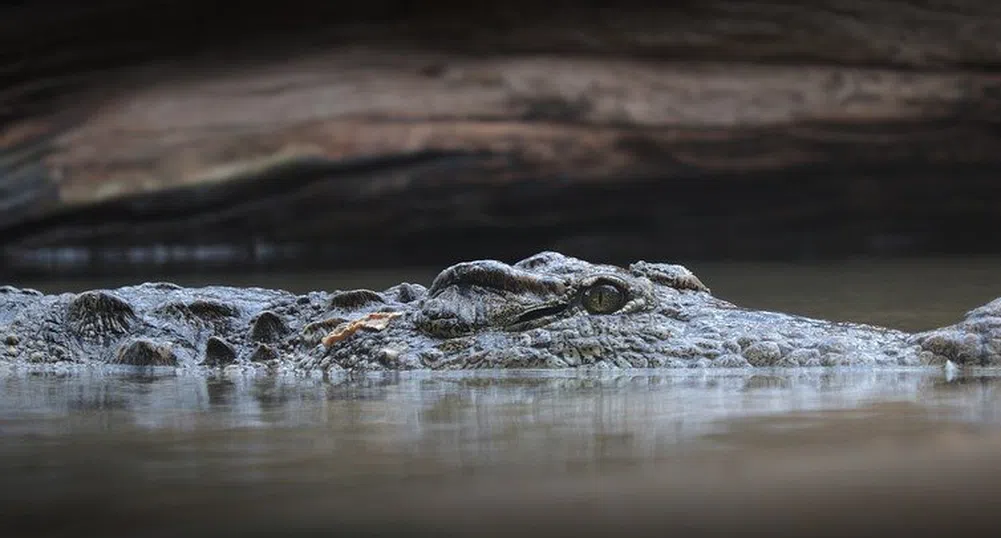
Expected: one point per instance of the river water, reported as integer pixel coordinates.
(809, 451)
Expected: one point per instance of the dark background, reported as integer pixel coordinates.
(892, 152)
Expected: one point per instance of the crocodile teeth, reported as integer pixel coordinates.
(96, 313)
(268, 327)
(145, 353)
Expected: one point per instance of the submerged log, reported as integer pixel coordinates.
(377, 135)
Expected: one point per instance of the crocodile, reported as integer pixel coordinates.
(546, 311)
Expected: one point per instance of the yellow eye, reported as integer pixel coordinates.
(603, 299)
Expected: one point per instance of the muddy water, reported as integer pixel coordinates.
(813, 451)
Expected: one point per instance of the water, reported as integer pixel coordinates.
(642, 452)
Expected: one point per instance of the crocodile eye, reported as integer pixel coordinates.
(604, 298)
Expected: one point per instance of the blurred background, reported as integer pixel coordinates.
(182, 137)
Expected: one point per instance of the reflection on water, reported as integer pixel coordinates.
(474, 417)
(138, 442)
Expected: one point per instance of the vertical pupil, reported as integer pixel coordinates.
(604, 298)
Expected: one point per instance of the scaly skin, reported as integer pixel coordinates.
(547, 311)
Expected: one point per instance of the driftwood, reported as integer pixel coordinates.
(379, 136)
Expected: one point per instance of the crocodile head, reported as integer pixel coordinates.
(547, 311)
(551, 310)
(554, 311)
